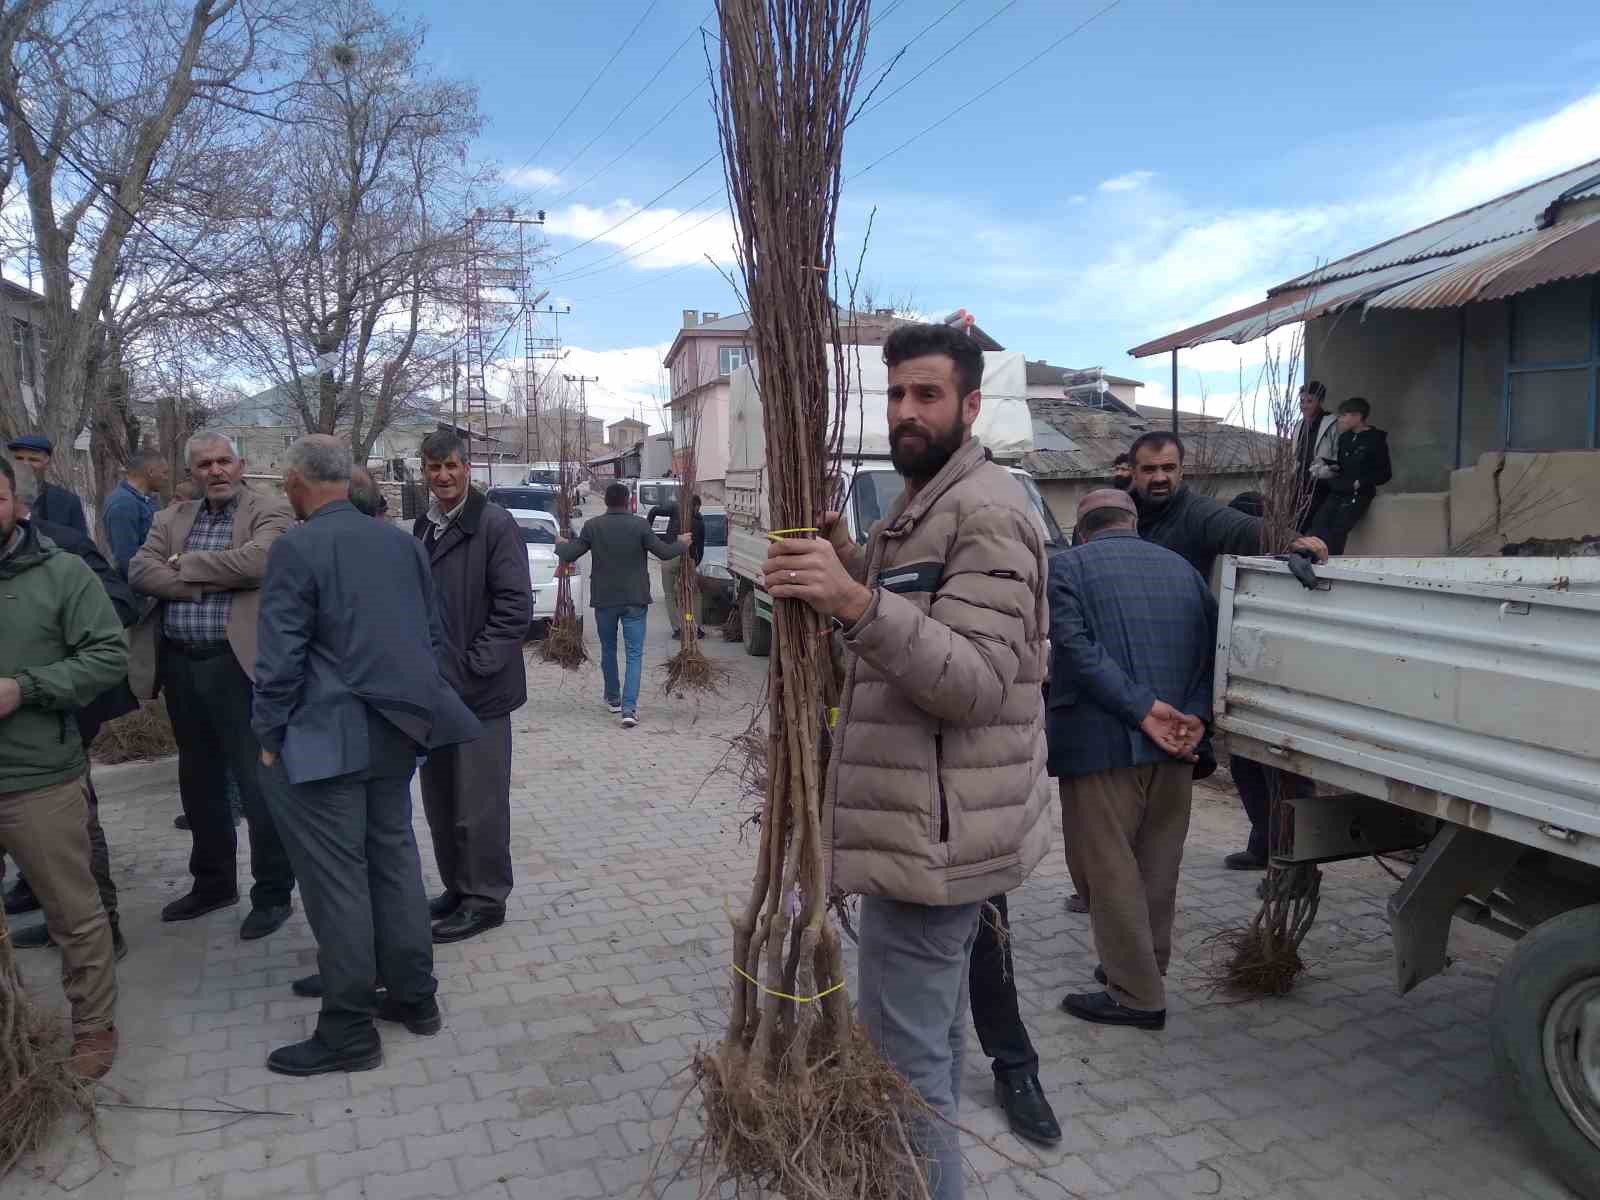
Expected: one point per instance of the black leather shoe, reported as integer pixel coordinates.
(1026, 1108)
(1245, 861)
(263, 921)
(422, 1019)
(310, 986)
(32, 937)
(20, 899)
(1077, 904)
(187, 908)
(443, 905)
(180, 822)
(465, 923)
(1103, 1010)
(315, 1057)
(1100, 974)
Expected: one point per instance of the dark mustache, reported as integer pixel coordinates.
(910, 427)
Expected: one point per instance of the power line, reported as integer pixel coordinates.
(645, 207)
(667, 62)
(600, 74)
(660, 121)
(954, 46)
(582, 270)
(1004, 79)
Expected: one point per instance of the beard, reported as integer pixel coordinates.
(919, 453)
(1123, 483)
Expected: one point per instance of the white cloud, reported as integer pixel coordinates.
(630, 381)
(532, 177)
(656, 237)
(1177, 266)
(1132, 181)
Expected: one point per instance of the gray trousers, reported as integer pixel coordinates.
(912, 998)
(466, 792)
(355, 856)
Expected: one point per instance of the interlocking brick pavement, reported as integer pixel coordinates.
(566, 1030)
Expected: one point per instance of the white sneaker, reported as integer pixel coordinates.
(629, 720)
(616, 709)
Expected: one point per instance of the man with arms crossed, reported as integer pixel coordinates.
(936, 795)
(204, 560)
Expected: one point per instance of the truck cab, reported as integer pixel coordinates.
(869, 491)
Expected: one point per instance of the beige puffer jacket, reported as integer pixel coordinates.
(937, 792)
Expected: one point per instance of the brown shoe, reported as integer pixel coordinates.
(93, 1054)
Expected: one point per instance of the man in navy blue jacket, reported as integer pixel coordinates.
(347, 694)
(1132, 631)
(131, 507)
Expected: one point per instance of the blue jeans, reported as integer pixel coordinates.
(632, 618)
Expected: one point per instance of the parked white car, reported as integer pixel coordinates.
(544, 568)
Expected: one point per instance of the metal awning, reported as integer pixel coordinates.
(1285, 308)
(1491, 271)
(1567, 251)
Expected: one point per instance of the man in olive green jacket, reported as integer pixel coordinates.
(61, 645)
(937, 796)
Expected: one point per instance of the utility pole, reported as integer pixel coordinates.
(500, 275)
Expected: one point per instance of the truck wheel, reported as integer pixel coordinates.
(1545, 1029)
(757, 632)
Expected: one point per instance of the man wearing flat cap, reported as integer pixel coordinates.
(1132, 630)
(56, 504)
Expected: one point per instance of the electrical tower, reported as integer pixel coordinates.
(491, 270)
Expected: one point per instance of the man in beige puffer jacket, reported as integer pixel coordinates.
(937, 796)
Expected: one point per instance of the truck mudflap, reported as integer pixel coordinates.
(1458, 862)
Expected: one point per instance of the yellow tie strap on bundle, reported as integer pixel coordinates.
(777, 535)
(785, 995)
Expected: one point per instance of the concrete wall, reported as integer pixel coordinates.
(1512, 498)
(711, 441)
(1406, 364)
(1409, 523)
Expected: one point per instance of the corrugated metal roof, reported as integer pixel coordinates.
(1285, 308)
(1513, 213)
(1514, 265)
(1486, 253)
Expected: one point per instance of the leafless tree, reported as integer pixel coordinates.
(362, 248)
(112, 108)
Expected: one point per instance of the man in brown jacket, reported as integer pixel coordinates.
(204, 561)
(937, 797)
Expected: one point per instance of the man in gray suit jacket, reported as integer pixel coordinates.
(347, 692)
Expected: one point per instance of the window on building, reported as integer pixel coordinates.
(1552, 398)
(23, 340)
(730, 359)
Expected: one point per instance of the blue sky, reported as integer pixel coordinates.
(1165, 164)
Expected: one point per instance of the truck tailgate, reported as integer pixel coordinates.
(1451, 692)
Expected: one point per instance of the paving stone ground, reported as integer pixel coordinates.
(566, 1030)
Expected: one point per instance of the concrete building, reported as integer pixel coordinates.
(624, 433)
(709, 347)
(1477, 341)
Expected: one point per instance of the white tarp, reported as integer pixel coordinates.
(1004, 423)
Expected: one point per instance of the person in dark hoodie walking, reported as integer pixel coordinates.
(619, 590)
(1363, 468)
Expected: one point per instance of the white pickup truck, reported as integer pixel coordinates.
(1452, 704)
(867, 479)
